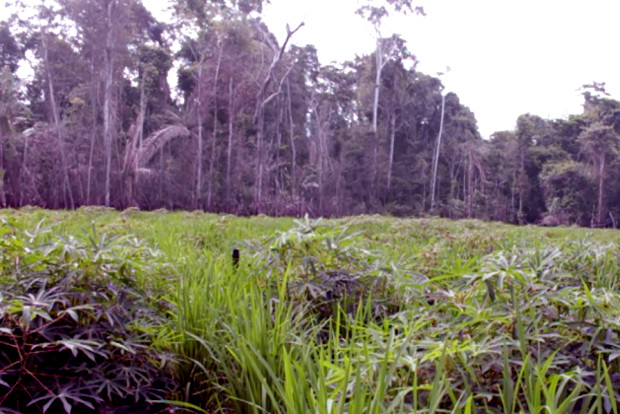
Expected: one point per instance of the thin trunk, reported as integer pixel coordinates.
(380, 63)
(512, 194)
(107, 102)
(259, 115)
(258, 186)
(93, 94)
(453, 186)
(320, 162)
(521, 185)
(601, 182)
(277, 167)
(199, 150)
(214, 138)
(391, 158)
(142, 112)
(3, 133)
(436, 155)
(230, 140)
(24, 172)
(162, 201)
(66, 189)
(293, 148)
(90, 167)
(470, 183)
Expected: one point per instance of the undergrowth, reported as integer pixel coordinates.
(81, 328)
(358, 315)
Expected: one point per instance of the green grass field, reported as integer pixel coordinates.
(364, 314)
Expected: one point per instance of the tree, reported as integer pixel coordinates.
(10, 54)
(530, 131)
(436, 153)
(568, 191)
(390, 48)
(599, 143)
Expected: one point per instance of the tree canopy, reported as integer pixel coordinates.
(254, 126)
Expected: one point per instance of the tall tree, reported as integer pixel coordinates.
(387, 48)
(600, 142)
(264, 96)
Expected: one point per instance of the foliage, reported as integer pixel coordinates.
(81, 323)
(386, 315)
(253, 126)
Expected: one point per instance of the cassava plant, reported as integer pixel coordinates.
(78, 330)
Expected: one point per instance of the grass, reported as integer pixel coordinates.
(378, 315)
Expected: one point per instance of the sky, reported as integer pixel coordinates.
(506, 57)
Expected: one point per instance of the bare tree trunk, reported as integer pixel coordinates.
(199, 149)
(278, 173)
(601, 186)
(391, 158)
(93, 134)
(89, 172)
(230, 140)
(66, 189)
(25, 172)
(293, 148)
(259, 115)
(521, 187)
(436, 155)
(2, 171)
(470, 183)
(258, 185)
(320, 157)
(5, 130)
(512, 193)
(214, 138)
(107, 101)
(374, 145)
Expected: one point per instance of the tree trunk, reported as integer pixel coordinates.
(379, 63)
(230, 140)
(258, 185)
(470, 183)
(601, 186)
(214, 137)
(521, 184)
(391, 157)
(93, 94)
(4, 132)
(293, 148)
(199, 150)
(107, 101)
(259, 115)
(436, 155)
(66, 185)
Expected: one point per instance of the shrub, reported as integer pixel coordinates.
(78, 330)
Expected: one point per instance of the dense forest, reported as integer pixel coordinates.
(253, 125)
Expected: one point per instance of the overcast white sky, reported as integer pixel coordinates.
(507, 57)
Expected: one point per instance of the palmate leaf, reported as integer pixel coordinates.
(87, 347)
(5, 410)
(111, 387)
(69, 396)
(37, 231)
(3, 383)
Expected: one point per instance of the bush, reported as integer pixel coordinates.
(78, 330)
